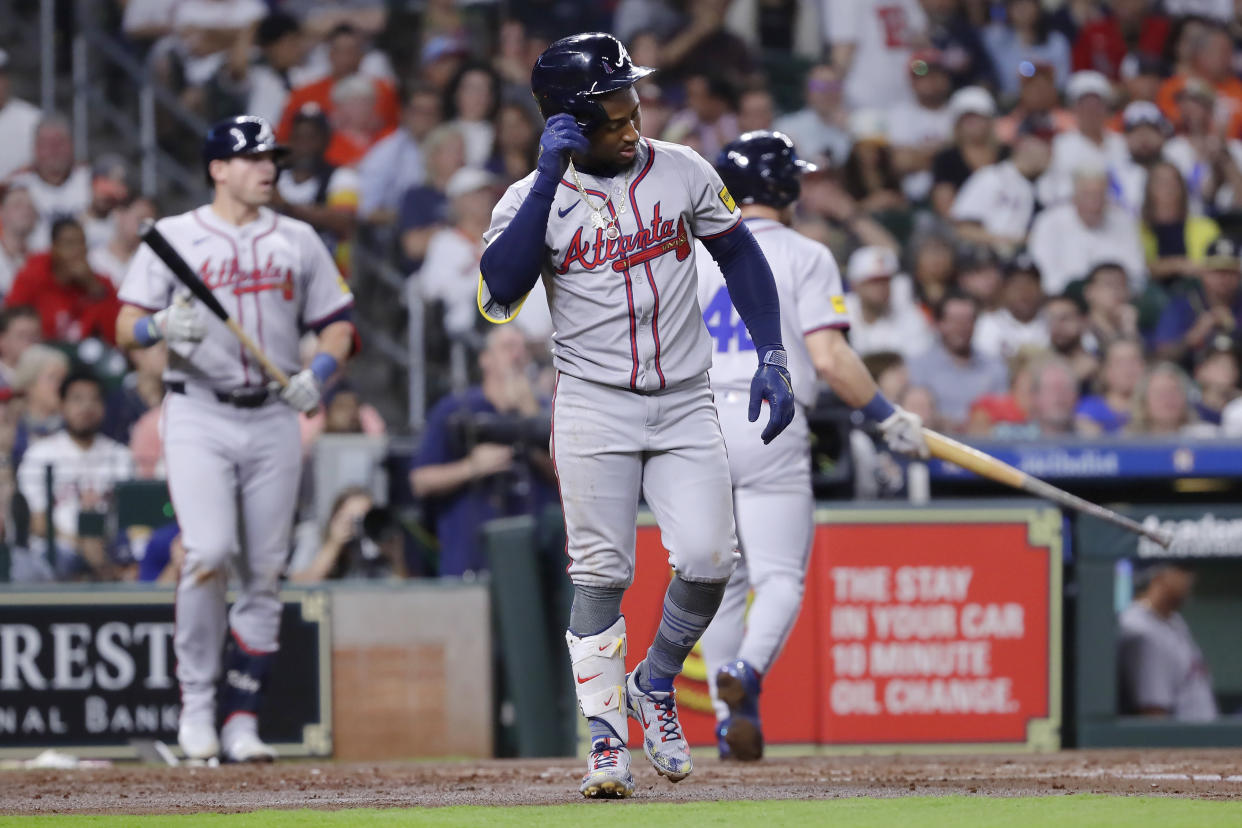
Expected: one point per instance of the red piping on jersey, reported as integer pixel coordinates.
(655, 293)
(356, 339)
(831, 326)
(237, 713)
(629, 290)
(254, 255)
(240, 348)
(146, 308)
(736, 224)
(244, 648)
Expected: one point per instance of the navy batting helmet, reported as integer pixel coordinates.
(762, 167)
(574, 71)
(241, 135)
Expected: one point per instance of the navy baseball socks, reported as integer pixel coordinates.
(650, 698)
(245, 680)
(739, 736)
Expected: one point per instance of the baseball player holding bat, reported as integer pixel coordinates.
(230, 433)
(772, 499)
(608, 220)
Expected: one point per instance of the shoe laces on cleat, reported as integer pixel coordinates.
(604, 754)
(670, 728)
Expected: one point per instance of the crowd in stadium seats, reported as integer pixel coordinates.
(1037, 205)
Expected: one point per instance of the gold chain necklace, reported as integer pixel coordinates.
(598, 220)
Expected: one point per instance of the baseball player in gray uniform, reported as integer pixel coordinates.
(231, 442)
(609, 221)
(772, 500)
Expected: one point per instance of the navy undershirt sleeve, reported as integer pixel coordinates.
(511, 263)
(751, 285)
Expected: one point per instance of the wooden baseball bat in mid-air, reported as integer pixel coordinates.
(169, 256)
(985, 465)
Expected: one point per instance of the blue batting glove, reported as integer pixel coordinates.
(772, 383)
(560, 137)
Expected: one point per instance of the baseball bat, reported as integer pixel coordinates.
(169, 256)
(985, 465)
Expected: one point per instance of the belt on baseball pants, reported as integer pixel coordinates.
(238, 397)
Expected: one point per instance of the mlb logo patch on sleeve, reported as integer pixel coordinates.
(727, 199)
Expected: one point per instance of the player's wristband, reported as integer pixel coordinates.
(774, 356)
(323, 366)
(146, 332)
(879, 409)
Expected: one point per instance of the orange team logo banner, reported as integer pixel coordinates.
(918, 627)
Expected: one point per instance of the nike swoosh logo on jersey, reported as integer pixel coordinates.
(582, 680)
(200, 241)
(567, 210)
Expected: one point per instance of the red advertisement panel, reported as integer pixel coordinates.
(910, 633)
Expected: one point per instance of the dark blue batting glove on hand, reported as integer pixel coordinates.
(561, 136)
(772, 383)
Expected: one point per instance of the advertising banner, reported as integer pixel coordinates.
(86, 672)
(919, 627)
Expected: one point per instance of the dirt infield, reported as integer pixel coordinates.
(1210, 774)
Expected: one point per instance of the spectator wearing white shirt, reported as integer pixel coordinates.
(919, 129)
(451, 267)
(997, 203)
(396, 163)
(109, 188)
(470, 104)
(1068, 240)
(18, 120)
(974, 146)
(59, 187)
(1231, 419)
(85, 467)
(112, 259)
(880, 321)
(1146, 130)
(821, 128)
(1018, 322)
(871, 45)
(1092, 143)
(18, 218)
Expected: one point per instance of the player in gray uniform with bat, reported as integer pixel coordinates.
(612, 236)
(231, 442)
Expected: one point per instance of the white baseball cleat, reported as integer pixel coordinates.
(242, 743)
(608, 770)
(663, 740)
(198, 740)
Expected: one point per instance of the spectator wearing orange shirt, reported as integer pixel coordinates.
(1211, 61)
(356, 125)
(345, 53)
(72, 301)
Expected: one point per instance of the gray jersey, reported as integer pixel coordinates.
(1162, 667)
(273, 275)
(809, 285)
(625, 311)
